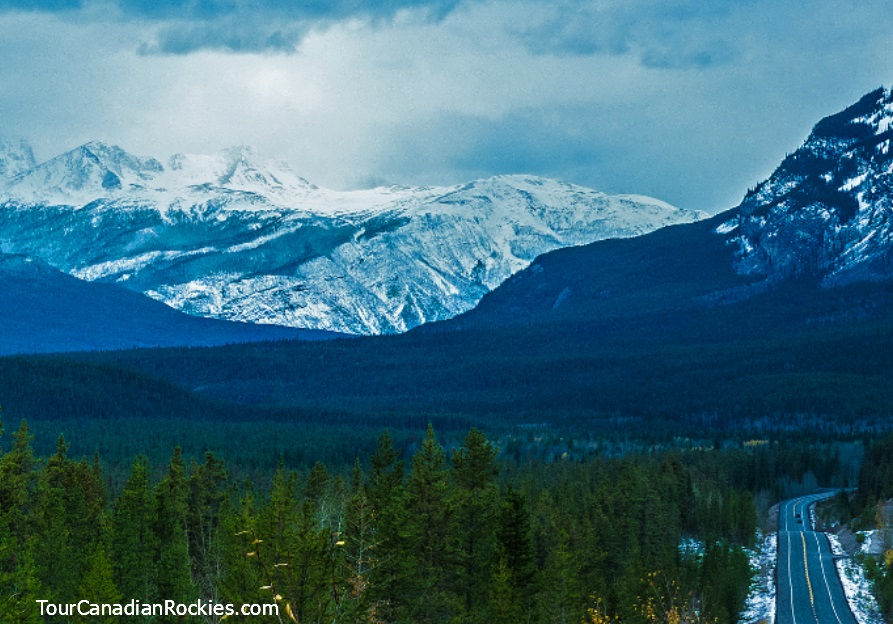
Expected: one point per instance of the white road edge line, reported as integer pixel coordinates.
(790, 579)
(825, 576)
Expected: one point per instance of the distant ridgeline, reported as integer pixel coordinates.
(242, 238)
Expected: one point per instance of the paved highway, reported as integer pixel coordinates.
(809, 590)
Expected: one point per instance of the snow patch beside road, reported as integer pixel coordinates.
(760, 605)
(856, 587)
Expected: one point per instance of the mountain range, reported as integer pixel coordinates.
(754, 312)
(776, 313)
(240, 237)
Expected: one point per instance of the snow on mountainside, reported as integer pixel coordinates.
(827, 210)
(240, 237)
(83, 172)
(238, 168)
(15, 157)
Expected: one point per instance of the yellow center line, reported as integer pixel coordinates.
(808, 581)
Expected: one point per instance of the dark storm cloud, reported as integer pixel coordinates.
(237, 25)
(229, 34)
(301, 10)
(39, 5)
(691, 102)
(663, 34)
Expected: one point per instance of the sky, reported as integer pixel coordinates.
(688, 101)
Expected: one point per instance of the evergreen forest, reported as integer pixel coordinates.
(460, 535)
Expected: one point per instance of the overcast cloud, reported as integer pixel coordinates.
(672, 98)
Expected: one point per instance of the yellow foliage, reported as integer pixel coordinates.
(598, 614)
(664, 603)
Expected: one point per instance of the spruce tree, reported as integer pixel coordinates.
(516, 544)
(133, 539)
(173, 577)
(428, 494)
(98, 587)
(474, 508)
(390, 574)
(207, 496)
(19, 576)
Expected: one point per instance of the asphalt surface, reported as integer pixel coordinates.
(809, 590)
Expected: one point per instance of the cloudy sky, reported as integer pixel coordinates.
(685, 100)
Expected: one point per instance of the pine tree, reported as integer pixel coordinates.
(516, 545)
(207, 496)
(68, 512)
(241, 577)
(98, 587)
(474, 510)
(505, 604)
(54, 553)
(562, 597)
(389, 576)
(428, 494)
(19, 578)
(293, 551)
(20, 586)
(17, 482)
(359, 553)
(133, 539)
(173, 576)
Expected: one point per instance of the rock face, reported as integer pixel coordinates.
(239, 237)
(827, 211)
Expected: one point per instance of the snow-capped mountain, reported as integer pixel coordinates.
(239, 237)
(15, 157)
(83, 172)
(237, 169)
(824, 219)
(827, 210)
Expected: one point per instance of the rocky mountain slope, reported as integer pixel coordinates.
(239, 237)
(827, 210)
(824, 218)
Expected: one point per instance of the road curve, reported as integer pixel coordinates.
(808, 588)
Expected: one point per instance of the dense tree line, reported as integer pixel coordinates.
(448, 537)
(867, 509)
(788, 353)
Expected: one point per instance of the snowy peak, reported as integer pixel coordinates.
(238, 169)
(871, 115)
(92, 170)
(827, 210)
(16, 157)
(240, 237)
(558, 206)
(97, 170)
(245, 170)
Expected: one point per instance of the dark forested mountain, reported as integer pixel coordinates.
(828, 208)
(45, 310)
(824, 217)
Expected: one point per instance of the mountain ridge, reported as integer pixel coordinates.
(240, 237)
(824, 217)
